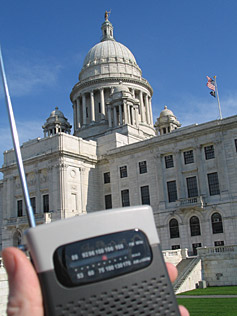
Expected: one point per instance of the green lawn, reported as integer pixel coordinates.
(210, 306)
(217, 290)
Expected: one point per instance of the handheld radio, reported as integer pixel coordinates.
(104, 263)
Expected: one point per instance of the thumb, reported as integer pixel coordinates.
(25, 297)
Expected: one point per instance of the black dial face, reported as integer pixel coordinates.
(101, 257)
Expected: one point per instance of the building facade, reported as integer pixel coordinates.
(118, 157)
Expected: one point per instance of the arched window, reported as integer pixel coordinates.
(195, 226)
(16, 239)
(174, 228)
(216, 221)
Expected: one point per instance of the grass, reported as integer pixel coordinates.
(217, 290)
(210, 306)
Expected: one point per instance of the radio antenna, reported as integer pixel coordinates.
(15, 139)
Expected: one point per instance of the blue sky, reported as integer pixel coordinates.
(176, 44)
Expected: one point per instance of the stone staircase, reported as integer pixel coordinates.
(185, 269)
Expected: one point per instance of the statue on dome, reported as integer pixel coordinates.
(107, 13)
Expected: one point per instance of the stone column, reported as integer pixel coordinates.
(120, 115)
(133, 93)
(84, 108)
(125, 112)
(115, 117)
(78, 113)
(102, 102)
(142, 107)
(74, 116)
(109, 116)
(147, 109)
(92, 107)
(136, 115)
(151, 115)
(129, 114)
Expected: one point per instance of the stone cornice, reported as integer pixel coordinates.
(47, 156)
(109, 80)
(186, 133)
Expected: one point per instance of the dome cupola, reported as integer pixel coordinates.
(56, 123)
(166, 122)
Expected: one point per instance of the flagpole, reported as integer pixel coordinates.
(218, 100)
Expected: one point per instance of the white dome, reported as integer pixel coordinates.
(108, 49)
(166, 112)
(109, 59)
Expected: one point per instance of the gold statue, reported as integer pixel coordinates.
(107, 13)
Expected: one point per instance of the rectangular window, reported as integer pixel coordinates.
(195, 246)
(188, 157)
(213, 183)
(33, 204)
(236, 145)
(108, 201)
(142, 167)
(45, 203)
(218, 243)
(192, 186)
(123, 172)
(172, 191)
(125, 198)
(174, 247)
(19, 208)
(209, 152)
(107, 177)
(145, 195)
(99, 107)
(169, 162)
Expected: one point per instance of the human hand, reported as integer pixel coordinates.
(25, 298)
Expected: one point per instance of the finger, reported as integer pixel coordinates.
(183, 311)
(172, 271)
(24, 290)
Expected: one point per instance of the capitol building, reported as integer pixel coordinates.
(114, 156)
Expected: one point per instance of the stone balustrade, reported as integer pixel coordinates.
(207, 251)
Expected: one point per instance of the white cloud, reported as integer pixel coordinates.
(29, 75)
(27, 130)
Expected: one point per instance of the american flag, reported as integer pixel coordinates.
(211, 84)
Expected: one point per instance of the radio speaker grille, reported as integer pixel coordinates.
(146, 298)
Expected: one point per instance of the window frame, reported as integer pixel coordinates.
(19, 208)
(106, 177)
(214, 186)
(217, 224)
(188, 157)
(145, 195)
(192, 189)
(209, 152)
(195, 229)
(45, 201)
(108, 201)
(174, 229)
(123, 172)
(142, 167)
(169, 162)
(172, 194)
(125, 197)
(33, 204)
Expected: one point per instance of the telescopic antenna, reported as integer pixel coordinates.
(15, 139)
